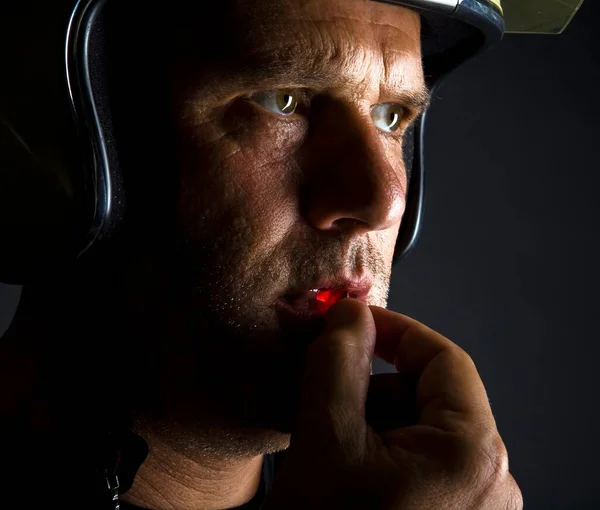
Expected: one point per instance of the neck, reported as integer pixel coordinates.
(176, 475)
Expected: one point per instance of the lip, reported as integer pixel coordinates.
(356, 289)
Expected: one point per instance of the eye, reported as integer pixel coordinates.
(388, 116)
(283, 102)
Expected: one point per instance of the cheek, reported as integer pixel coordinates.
(262, 158)
(266, 137)
(394, 153)
(240, 172)
(385, 240)
(390, 245)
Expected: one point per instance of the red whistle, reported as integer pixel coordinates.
(329, 297)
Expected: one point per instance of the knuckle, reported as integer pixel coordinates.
(493, 460)
(483, 461)
(495, 485)
(467, 357)
(462, 355)
(477, 467)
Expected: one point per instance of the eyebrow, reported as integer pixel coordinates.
(418, 99)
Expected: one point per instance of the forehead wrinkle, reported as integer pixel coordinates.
(317, 55)
(377, 34)
(402, 71)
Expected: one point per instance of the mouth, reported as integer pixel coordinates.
(315, 302)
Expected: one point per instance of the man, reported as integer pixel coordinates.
(218, 328)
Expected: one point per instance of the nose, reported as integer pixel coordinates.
(351, 181)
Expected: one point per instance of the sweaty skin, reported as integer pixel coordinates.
(267, 202)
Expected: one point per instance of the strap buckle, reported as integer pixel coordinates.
(112, 484)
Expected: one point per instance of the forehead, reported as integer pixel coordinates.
(296, 41)
(373, 22)
(334, 29)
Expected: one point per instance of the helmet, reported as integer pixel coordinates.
(61, 187)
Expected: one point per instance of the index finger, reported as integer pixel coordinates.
(450, 391)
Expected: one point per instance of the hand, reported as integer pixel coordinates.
(450, 457)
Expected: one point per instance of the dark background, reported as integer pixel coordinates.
(507, 265)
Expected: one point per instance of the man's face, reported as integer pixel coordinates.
(291, 179)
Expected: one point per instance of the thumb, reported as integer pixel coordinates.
(336, 378)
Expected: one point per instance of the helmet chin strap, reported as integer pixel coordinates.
(124, 453)
(112, 483)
